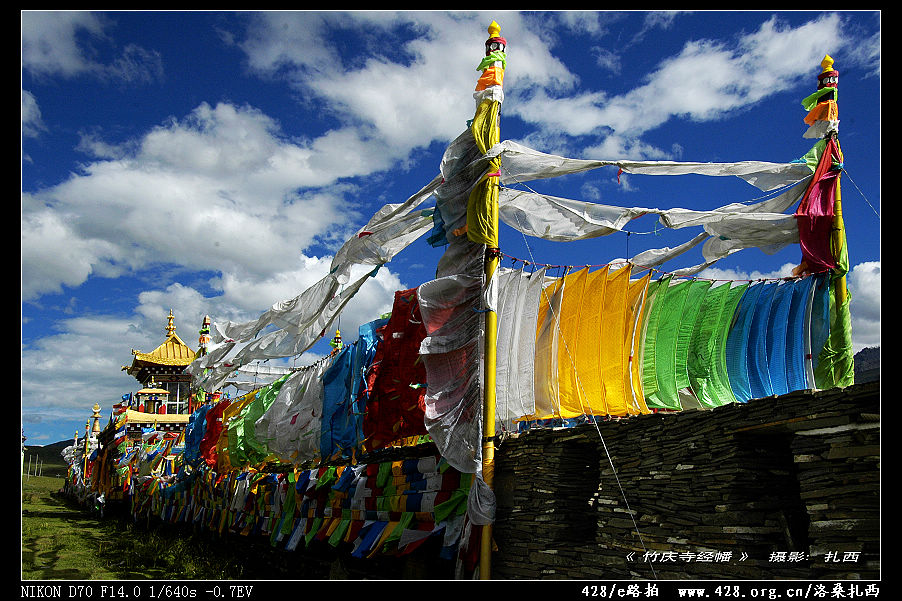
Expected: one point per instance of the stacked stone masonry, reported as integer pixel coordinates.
(778, 488)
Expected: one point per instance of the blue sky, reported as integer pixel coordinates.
(212, 162)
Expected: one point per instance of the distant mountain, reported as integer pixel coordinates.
(50, 453)
(867, 365)
(49, 457)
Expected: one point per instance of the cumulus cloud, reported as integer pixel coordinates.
(864, 286)
(66, 44)
(50, 42)
(706, 81)
(54, 255)
(32, 124)
(81, 364)
(728, 274)
(408, 93)
(221, 189)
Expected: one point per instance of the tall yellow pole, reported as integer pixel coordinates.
(835, 365)
(488, 445)
(482, 224)
(844, 370)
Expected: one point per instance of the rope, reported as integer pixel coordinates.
(658, 271)
(860, 192)
(591, 413)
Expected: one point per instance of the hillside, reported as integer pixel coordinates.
(867, 365)
(50, 455)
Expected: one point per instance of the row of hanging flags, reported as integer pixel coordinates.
(569, 348)
(392, 507)
(215, 475)
(592, 343)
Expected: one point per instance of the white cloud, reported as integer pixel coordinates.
(591, 22)
(32, 124)
(54, 255)
(223, 188)
(662, 19)
(864, 286)
(607, 60)
(50, 45)
(65, 44)
(223, 191)
(718, 273)
(404, 96)
(220, 190)
(81, 364)
(707, 80)
(252, 294)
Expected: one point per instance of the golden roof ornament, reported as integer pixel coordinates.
(172, 352)
(170, 328)
(96, 417)
(495, 60)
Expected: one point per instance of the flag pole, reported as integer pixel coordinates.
(488, 444)
(482, 227)
(846, 372)
(836, 365)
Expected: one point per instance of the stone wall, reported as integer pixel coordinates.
(778, 488)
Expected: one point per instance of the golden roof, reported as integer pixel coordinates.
(173, 351)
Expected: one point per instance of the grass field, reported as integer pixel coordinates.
(62, 540)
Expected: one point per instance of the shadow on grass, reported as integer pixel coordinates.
(66, 540)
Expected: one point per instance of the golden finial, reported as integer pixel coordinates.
(96, 418)
(494, 29)
(827, 63)
(170, 329)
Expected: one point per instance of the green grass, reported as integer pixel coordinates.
(58, 541)
(63, 540)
